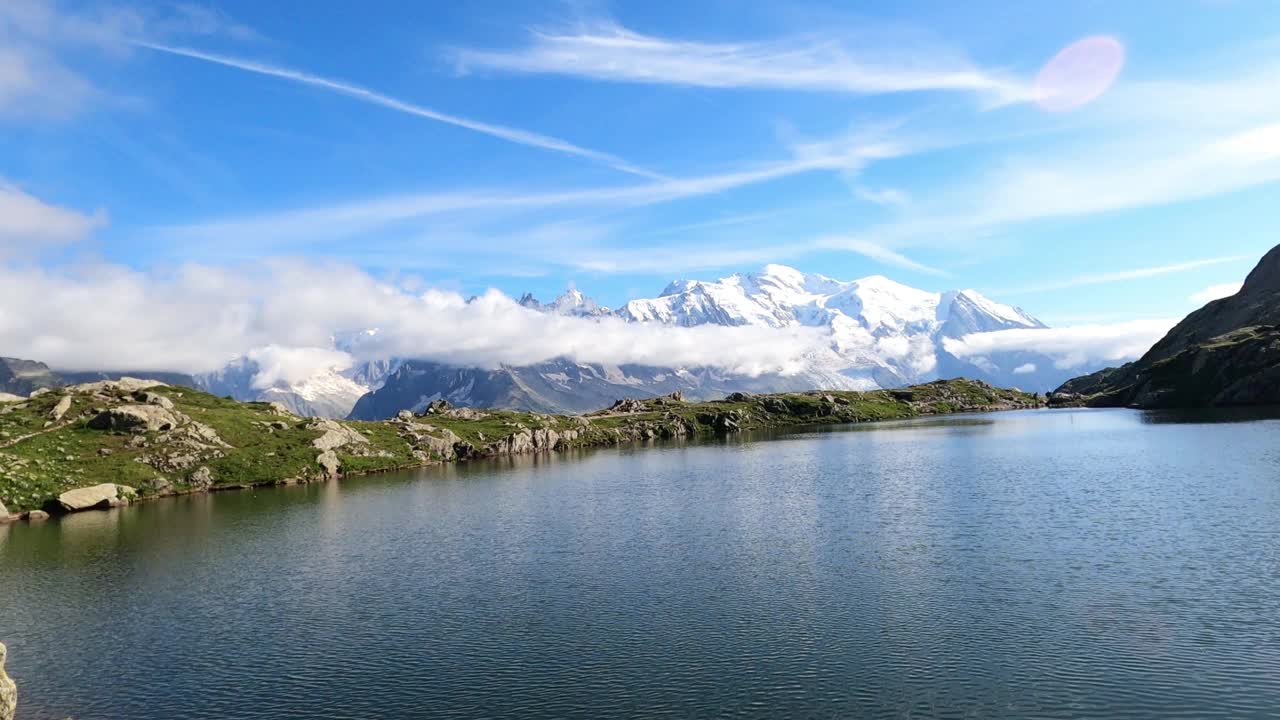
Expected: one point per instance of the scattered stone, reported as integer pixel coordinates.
(135, 418)
(406, 415)
(8, 398)
(104, 452)
(738, 397)
(37, 516)
(628, 405)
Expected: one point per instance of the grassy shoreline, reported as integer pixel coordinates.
(157, 440)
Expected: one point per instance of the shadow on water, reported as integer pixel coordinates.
(1210, 415)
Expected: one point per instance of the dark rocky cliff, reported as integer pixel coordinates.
(1225, 353)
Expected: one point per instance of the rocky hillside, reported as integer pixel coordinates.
(1225, 353)
(23, 377)
(112, 442)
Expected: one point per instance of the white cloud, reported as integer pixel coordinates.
(608, 51)
(292, 365)
(1025, 369)
(510, 134)
(197, 317)
(1214, 292)
(1070, 347)
(28, 224)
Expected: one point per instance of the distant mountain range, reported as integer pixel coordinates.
(1225, 353)
(882, 334)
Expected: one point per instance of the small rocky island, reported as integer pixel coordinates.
(108, 443)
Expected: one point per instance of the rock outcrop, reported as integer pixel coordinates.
(95, 497)
(329, 464)
(335, 435)
(1225, 353)
(135, 418)
(8, 689)
(124, 386)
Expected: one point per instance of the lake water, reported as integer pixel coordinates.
(1053, 564)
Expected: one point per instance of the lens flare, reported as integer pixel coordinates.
(1079, 74)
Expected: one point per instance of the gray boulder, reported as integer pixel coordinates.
(135, 418)
(96, 496)
(335, 435)
(151, 398)
(60, 408)
(201, 479)
(329, 464)
(8, 689)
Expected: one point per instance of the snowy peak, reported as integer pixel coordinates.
(966, 311)
(571, 302)
(880, 328)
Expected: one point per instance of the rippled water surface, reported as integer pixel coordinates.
(1054, 564)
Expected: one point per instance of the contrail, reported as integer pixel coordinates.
(515, 135)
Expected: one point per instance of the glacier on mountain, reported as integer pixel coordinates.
(881, 334)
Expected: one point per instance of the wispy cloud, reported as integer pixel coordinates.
(36, 37)
(28, 224)
(823, 63)
(1122, 275)
(1214, 292)
(510, 134)
(345, 219)
(888, 197)
(875, 251)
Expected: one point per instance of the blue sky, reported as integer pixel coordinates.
(617, 146)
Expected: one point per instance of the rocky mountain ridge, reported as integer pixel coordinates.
(1226, 353)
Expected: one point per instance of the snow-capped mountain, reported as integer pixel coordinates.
(883, 334)
(572, 303)
(329, 392)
